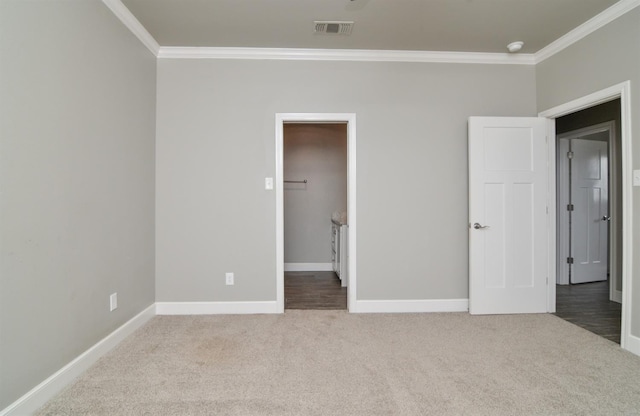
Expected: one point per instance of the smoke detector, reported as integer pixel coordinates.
(514, 47)
(333, 27)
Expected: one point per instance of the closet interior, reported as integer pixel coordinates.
(315, 215)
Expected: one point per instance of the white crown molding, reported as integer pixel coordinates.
(358, 55)
(585, 29)
(129, 20)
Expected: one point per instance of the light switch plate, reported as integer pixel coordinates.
(636, 177)
(113, 302)
(268, 184)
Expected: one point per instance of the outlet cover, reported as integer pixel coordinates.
(229, 278)
(113, 302)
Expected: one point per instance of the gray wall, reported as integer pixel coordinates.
(77, 93)
(216, 144)
(604, 58)
(317, 153)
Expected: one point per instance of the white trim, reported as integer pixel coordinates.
(633, 344)
(585, 29)
(351, 214)
(354, 55)
(627, 214)
(133, 24)
(622, 91)
(588, 101)
(215, 308)
(413, 306)
(562, 215)
(616, 296)
(350, 119)
(308, 267)
(280, 212)
(46, 390)
(551, 218)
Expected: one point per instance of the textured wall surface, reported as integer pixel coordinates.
(77, 102)
(216, 144)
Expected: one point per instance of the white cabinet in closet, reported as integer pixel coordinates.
(339, 250)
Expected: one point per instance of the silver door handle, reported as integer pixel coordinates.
(606, 218)
(477, 226)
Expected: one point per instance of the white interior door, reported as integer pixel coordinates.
(590, 215)
(507, 215)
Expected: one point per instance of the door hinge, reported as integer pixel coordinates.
(570, 155)
(570, 260)
(570, 207)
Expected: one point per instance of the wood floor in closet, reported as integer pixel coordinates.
(313, 290)
(588, 306)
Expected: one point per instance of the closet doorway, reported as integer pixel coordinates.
(315, 211)
(315, 215)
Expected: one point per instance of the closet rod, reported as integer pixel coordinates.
(304, 181)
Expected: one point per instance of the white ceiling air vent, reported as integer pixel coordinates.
(333, 27)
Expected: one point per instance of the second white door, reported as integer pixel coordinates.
(590, 215)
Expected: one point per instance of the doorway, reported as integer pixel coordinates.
(315, 215)
(349, 259)
(589, 284)
(589, 207)
(620, 94)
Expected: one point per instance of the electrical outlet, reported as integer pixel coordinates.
(113, 302)
(229, 278)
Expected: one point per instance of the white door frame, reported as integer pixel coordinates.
(563, 251)
(350, 120)
(622, 91)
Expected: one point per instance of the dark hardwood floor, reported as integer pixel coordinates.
(313, 290)
(588, 306)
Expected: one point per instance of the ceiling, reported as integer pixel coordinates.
(413, 25)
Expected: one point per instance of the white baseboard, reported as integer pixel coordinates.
(411, 306)
(46, 390)
(214, 308)
(617, 296)
(308, 267)
(632, 344)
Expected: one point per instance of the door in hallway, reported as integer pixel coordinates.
(590, 210)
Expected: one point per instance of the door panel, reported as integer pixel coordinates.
(524, 238)
(589, 224)
(508, 201)
(495, 199)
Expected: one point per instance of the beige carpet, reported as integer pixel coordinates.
(334, 363)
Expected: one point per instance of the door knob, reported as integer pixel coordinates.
(606, 218)
(477, 226)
